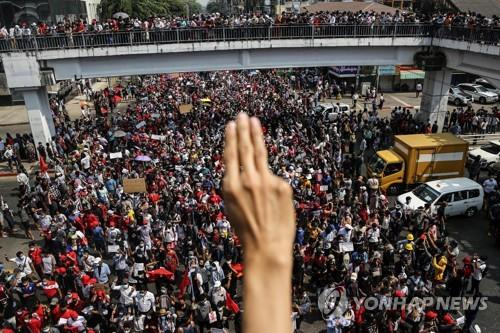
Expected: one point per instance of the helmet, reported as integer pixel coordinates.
(409, 237)
(409, 247)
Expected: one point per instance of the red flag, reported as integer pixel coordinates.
(231, 305)
(184, 284)
(117, 99)
(43, 165)
(160, 272)
(238, 269)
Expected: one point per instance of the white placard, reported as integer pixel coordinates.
(346, 247)
(62, 321)
(460, 320)
(113, 156)
(156, 115)
(323, 188)
(113, 248)
(158, 137)
(141, 124)
(329, 196)
(138, 267)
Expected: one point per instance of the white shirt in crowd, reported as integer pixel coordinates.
(48, 264)
(127, 293)
(145, 301)
(85, 162)
(489, 185)
(23, 263)
(478, 272)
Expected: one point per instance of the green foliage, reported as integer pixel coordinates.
(178, 7)
(214, 6)
(146, 8)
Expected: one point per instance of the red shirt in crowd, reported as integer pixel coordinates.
(34, 325)
(36, 255)
(50, 289)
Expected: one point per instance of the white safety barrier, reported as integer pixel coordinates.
(479, 139)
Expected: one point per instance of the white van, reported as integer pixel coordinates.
(463, 195)
(331, 111)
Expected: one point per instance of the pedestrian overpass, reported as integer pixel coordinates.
(30, 62)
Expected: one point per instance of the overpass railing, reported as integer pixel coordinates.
(488, 36)
(190, 35)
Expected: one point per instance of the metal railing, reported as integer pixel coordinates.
(190, 35)
(479, 139)
(488, 36)
(195, 35)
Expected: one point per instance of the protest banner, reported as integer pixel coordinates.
(116, 155)
(185, 108)
(346, 247)
(158, 137)
(134, 185)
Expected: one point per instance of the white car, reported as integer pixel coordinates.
(331, 111)
(490, 153)
(479, 93)
(488, 86)
(457, 97)
(463, 196)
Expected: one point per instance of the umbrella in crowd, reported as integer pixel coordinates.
(121, 15)
(143, 158)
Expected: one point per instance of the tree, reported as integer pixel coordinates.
(146, 8)
(214, 6)
(179, 7)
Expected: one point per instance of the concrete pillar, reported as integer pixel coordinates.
(39, 114)
(435, 97)
(24, 74)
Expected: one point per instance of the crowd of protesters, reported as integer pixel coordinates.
(164, 258)
(469, 121)
(157, 28)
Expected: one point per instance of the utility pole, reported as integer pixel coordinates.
(187, 10)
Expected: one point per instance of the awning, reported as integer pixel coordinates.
(413, 74)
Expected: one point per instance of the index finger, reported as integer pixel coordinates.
(231, 151)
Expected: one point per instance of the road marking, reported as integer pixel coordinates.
(402, 102)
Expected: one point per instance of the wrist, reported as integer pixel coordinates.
(268, 260)
(267, 289)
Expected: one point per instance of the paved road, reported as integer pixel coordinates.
(472, 236)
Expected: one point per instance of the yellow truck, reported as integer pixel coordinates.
(418, 158)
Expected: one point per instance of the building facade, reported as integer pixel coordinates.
(29, 11)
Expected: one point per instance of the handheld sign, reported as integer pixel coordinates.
(113, 156)
(134, 185)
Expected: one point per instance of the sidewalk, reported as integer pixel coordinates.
(31, 168)
(73, 105)
(17, 115)
(14, 119)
